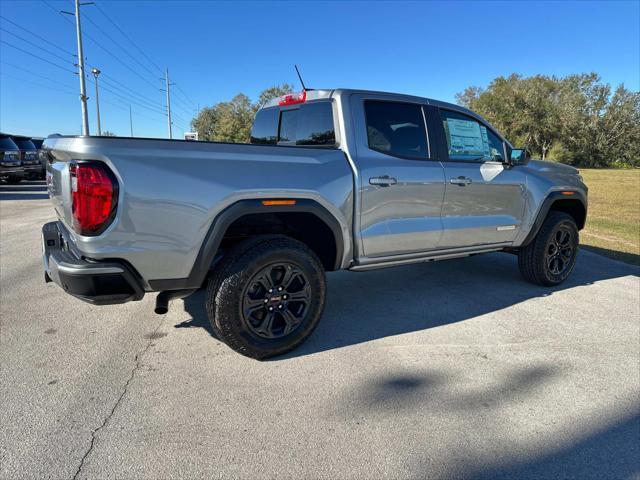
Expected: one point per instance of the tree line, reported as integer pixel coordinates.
(578, 119)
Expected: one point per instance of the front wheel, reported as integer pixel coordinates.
(549, 259)
(266, 296)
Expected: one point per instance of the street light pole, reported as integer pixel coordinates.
(83, 90)
(96, 72)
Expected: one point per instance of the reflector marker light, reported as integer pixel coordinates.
(568, 193)
(269, 203)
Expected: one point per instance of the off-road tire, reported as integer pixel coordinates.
(533, 260)
(226, 291)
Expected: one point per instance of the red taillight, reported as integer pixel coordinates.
(93, 197)
(293, 99)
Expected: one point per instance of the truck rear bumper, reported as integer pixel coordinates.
(100, 283)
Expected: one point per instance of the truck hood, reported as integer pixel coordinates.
(551, 168)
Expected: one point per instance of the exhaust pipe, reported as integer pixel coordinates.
(164, 297)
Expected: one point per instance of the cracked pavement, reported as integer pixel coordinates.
(455, 369)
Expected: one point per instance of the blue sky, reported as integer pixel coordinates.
(216, 49)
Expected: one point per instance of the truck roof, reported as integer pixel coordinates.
(323, 93)
(319, 94)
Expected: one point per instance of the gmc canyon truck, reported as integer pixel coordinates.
(332, 179)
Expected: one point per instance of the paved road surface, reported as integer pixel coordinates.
(447, 370)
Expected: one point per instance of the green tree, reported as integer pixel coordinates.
(576, 119)
(231, 121)
(523, 109)
(599, 128)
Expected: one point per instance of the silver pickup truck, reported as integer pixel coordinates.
(332, 179)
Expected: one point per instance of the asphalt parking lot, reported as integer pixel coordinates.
(456, 369)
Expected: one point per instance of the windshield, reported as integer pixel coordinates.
(7, 144)
(24, 144)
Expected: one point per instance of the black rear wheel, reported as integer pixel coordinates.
(549, 259)
(266, 296)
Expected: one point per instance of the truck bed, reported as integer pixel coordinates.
(170, 191)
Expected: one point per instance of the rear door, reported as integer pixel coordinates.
(401, 188)
(484, 198)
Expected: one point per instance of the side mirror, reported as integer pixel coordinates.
(519, 156)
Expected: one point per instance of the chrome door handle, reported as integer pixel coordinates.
(384, 181)
(460, 181)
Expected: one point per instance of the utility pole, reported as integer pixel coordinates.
(83, 90)
(166, 80)
(96, 72)
(130, 120)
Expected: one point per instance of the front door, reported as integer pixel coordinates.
(401, 189)
(484, 198)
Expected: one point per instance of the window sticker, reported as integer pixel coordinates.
(467, 137)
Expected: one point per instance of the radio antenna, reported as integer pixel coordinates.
(300, 77)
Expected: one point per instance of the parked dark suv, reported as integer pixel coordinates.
(41, 155)
(29, 156)
(11, 169)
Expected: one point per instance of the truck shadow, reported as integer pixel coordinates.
(26, 190)
(612, 451)
(594, 448)
(366, 306)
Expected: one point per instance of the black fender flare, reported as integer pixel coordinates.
(546, 206)
(233, 212)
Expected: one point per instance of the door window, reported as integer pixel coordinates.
(396, 129)
(469, 140)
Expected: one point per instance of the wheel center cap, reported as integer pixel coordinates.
(275, 298)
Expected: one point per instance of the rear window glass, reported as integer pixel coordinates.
(288, 122)
(7, 144)
(24, 144)
(310, 124)
(315, 125)
(396, 129)
(265, 127)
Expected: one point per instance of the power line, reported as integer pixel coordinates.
(122, 85)
(109, 81)
(130, 100)
(57, 11)
(68, 91)
(38, 57)
(97, 43)
(103, 74)
(128, 38)
(37, 36)
(189, 110)
(35, 45)
(186, 96)
(30, 72)
(118, 59)
(117, 44)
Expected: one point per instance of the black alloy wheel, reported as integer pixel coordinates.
(276, 300)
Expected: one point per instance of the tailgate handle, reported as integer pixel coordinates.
(383, 181)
